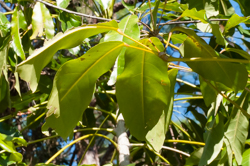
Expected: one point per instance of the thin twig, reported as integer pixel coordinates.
(3, 4)
(176, 150)
(193, 21)
(76, 13)
(162, 13)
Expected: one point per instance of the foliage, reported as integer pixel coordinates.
(173, 70)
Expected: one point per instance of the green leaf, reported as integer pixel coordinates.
(209, 94)
(224, 72)
(129, 26)
(246, 158)
(241, 52)
(107, 6)
(154, 13)
(237, 129)
(31, 68)
(62, 3)
(217, 33)
(8, 146)
(168, 112)
(178, 38)
(42, 20)
(145, 85)
(214, 140)
(195, 157)
(233, 21)
(4, 25)
(74, 85)
(194, 14)
(16, 23)
(68, 20)
(174, 6)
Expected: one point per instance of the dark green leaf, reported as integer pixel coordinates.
(241, 52)
(214, 140)
(232, 75)
(69, 20)
(209, 93)
(217, 33)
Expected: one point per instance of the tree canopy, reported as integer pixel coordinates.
(105, 82)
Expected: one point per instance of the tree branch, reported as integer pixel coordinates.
(73, 12)
(7, 8)
(123, 141)
(188, 22)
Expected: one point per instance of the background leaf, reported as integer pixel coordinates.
(214, 140)
(224, 72)
(42, 20)
(17, 22)
(237, 129)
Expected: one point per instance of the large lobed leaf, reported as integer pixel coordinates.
(230, 74)
(31, 68)
(74, 85)
(143, 94)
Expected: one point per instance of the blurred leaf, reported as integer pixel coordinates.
(243, 4)
(107, 6)
(144, 84)
(170, 6)
(74, 85)
(30, 69)
(214, 140)
(233, 21)
(194, 157)
(246, 158)
(209, 93)
(4, 25)
(17, 22)
(155, 13)
(224, 72)
(217, 33)
(68, 20)
(194, 14)
(168, 112)
(129, 26)
(237, 129)
(62, 3)
(241, 52)
(42, 20)
(8, 146)
(178, 38)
